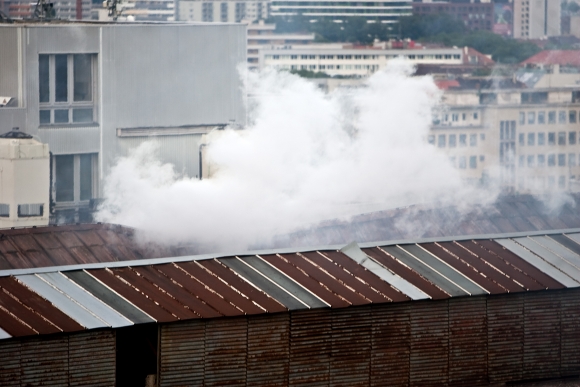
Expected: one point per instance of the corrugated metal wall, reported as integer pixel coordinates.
(10, 63)
(81, 359)
(462, 341)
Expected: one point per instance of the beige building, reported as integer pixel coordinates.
(222, 11)
(534, 19)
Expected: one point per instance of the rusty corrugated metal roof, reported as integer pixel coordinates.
(72, 298)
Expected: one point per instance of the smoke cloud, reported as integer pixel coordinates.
(304, 157)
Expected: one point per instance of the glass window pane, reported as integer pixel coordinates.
(86, 177)
(60, 78)
(82, 78)
(61, 115)
(43, 80)
(44, 116)
(64, 182)
(83, 115)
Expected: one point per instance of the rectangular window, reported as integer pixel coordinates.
(541, 138)
(431, 139)
(66, 88)
(531, 118)
(572, 160)
(552, 117)
(541, 117)
(531, 139)
(4, 210)
(572, 117)
(86, 176)
(473, 162)
(454, 117)
(541, 161)
(561, 117)
(473, 140)
(27, 210)
(441, 141)
(551, 160)
(462, 162)
(572, 138)
(64, 178)
(561, 160)
(462, 140)
(475, 115)
(452, 140)
(531, 161)
(521, 161)
(522, 118)
(74, 177)
(521, 139)
(561, 138)
(552, 138)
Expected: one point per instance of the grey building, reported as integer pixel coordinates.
(94, 91)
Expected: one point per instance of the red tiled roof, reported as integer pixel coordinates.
(445, 84)
(551, 57)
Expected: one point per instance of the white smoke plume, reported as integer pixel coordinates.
(306, 156)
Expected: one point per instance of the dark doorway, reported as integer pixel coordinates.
(136, 354)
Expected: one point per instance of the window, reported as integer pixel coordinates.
(75, 177)
(481, 158)
(207, 11)
(431, 139)
(66, 88)
(541, 161)
(482, 136)
(531, 160)
(561, 117)
(542, 138)
(473, 140)
(531, 139)
(454, 117)
(4, 210)
(541, 117)
(572, 117)
(531, 118)
(522, 161)
(475, 115)
(452, 140)
(522, 118)
(552, 117)
(562, 182)
(521, 139)
(572, 159)
(551, 160)
(551, 138)
(462, 162)
(224, 12)
(28, 210)
(473, 162)
(463, 140)
(561, 138)
(441, 141)
(572, 138)
(561, 160)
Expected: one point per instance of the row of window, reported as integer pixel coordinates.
(543, 182)
(553, 138)
(550, 160)
(24, 210)
(463, 160)
(552, 117)
(455, 117)
(329, 67)
(450, 140)
(359, 57)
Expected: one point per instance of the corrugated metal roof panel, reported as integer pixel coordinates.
(165, 290)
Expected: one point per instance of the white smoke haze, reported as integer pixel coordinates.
(306, 156)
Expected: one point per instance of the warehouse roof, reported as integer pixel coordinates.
(74, 298)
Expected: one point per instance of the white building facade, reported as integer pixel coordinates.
(222, 11)
(534, 19)
(387, 12)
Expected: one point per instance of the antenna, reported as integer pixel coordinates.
(44, 10)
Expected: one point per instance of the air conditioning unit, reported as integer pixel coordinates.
(24, 180)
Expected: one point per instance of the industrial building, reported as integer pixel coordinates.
(84, 89)
(445, 311)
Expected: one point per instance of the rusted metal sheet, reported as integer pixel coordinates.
(182, 354)
(11, 364)
(35, 321)
(44, 361)
(429, 342)
(505, 319)
(268, 350)
(91, 359)
(406, 273)
(570, 332)
(468, 341)
(391, 350)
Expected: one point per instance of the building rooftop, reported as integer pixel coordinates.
(552, 57)
(67, 299)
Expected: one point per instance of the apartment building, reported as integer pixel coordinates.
(534, 19)
(349, 61)
(387, 12)
(475, 16)
(223, 11)
(95, 91)
(64, 9)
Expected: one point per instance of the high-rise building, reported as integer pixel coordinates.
(230, 11)
(534, 19)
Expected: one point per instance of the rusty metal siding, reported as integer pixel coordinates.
(468, 341)
(226, 343)
(10, 366)
(45, 362)
(91, 358)
(390, 356)
(310, 346)
(268, 350)
(429, 344)
(570, 332)
(505, 337)
(541, 335)
(182, 354)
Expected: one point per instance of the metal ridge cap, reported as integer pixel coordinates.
(287, 250)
